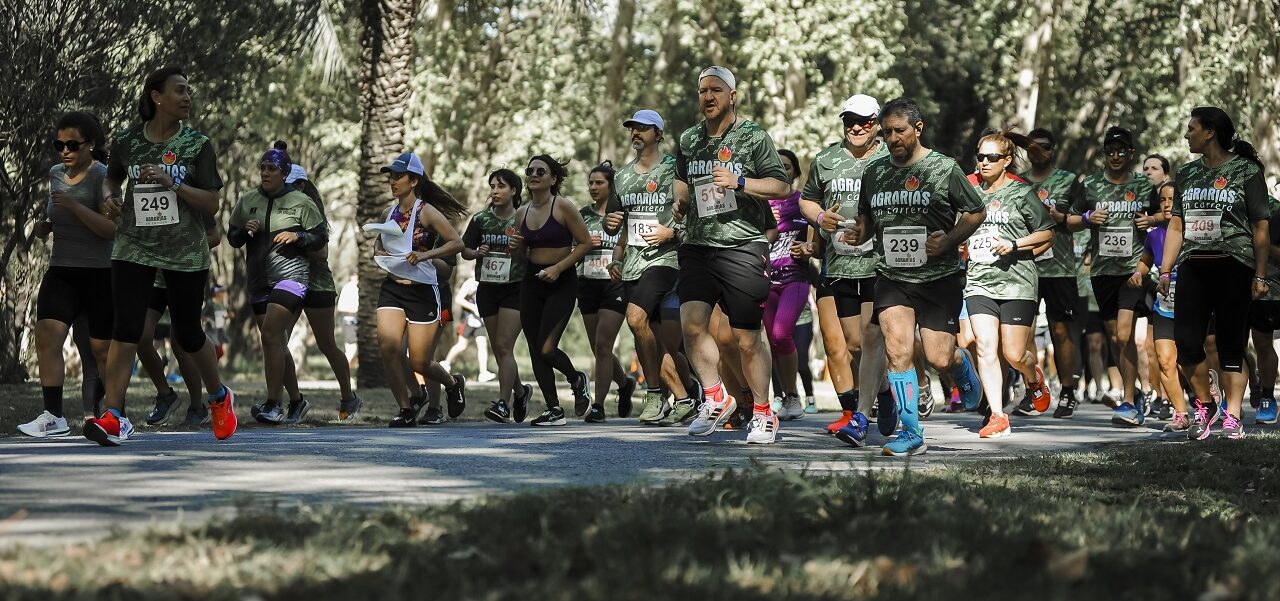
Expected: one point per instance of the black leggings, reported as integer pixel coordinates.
(803, 337)
(1212, 288)
(545, 309)
(131, 288)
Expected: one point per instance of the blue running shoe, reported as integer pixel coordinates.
(1126, 415)
(967, 381)
(854, 433)
(887, 417)
(1266, 412)
(907, 443)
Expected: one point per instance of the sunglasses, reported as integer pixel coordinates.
(535, 171)
(1118, 152)
(859, 121)
(990, 158)
(394, 176)
(72, 145)
(642, 127)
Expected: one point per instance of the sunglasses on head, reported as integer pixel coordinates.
(535, 171)
(72, 145)
(990, 158)
(1118, 152)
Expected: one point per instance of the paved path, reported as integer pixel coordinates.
(66, 489)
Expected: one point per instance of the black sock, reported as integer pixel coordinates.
(848, 400)
(52, 399)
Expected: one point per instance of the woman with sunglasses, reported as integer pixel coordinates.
(1219, 241)
(79, 263)
(487, 241)
(553, 238)
(602, 300)
(169, 176)
(409, 300)
(278, 227)
(1001, 291)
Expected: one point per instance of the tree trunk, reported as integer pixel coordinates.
(615, 78)
(1030, 64)
(386, 63)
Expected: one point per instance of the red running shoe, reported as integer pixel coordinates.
(223, 412)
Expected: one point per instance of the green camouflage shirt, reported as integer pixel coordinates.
(1055, 191)
(1117, 244)
(597, 261)
(645, 198)
(497, 267)
(1219, 207)
(909, 203)
(1273, 265)
(726, 218)
(1013, 211)
(178, 242)
(835, 177)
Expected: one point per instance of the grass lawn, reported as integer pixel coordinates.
(1149, 521)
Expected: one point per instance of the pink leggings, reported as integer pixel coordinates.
(781, 310)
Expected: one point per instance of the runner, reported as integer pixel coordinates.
(1111, 203)
(1156, 168)
(488, 242)
(789, 289)
(846, 287)
(79, 265)
(278, 226)
(919, 206)
(1057, 268)
(1000, 292)
(603, 301)
(409, 300)
(641, 207)
(431, 389)
(1264, 320)
(1217, 236)
(170, 176)
(726, 169)
(471, 328)
(558, 242)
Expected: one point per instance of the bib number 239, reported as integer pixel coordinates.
(154, 205)
(904, 246)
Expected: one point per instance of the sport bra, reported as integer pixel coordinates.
(552, 234)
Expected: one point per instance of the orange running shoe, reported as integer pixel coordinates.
(835, 426)
(998, 426)
(1040, 395)
(223, 412)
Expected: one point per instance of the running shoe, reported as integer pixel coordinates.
(1232, 428)
(1040, 394)
(854, 432)
(297, 410)
(498, 412)
(763, 428)
(46, 425)
(625, 391)
(791, 408)
(1127, 415)
(269, 412)
(553, 416)
(456, 396)
(520, 404)
(1025, 407)
(1266, 414)
(1181, 423)
(776, 404)
(810, 405)
(712, 415)
(416, 403)
(925, 406)
(1164, 410)
(905, 444)
(954, 404)
(1113, 398)
(487, 376)
(347, 410)
(197, 416)
(581, 393)
(108, 430)
(997, 427)
(740, 418)
(1148, 400)
(966, 379)
(595, 415)
(164, 406)
(681, 413)
(433, 417)
(887, 420)
(407, 418)
(655, 407)
(223, 413)
(1066, 404)
(1202, 421)
(835, 426)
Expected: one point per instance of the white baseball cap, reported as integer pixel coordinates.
(861, 105)
(724, 74)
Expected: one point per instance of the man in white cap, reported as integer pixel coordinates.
(726, 170)
(642, 206)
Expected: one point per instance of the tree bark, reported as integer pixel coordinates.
(1031, 63)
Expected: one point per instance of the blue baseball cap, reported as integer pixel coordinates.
(405, 163)
(645, 117)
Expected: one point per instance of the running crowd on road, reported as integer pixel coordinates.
(1013, 285)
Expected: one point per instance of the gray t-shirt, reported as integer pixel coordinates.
(74, 244)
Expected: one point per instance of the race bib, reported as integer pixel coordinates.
(1115, 241)
(781, 248)
(1164, 302)
(845, 249)
(904, 246)
(1048, 254)
(640, 225)
(712, 199)
(1202, 225)
(596, 265)
(981, 245)
(495, 269)
(154, 205)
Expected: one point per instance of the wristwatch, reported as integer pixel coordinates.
(742, 182)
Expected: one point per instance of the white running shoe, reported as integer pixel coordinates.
(763, 429)
(45, 425)
(712, 415)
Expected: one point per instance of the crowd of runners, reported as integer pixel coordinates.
(1012, 284)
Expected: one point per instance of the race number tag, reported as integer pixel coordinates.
(640, 225)
(904, 246)
(781, 248)
(154, 205)
(981, 245)
(495, 269)
(1164, 302)
(1048, 254)
(845, 249)
(712, 199)
(1203, 225)
(596, 265)
(1116, 241)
